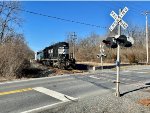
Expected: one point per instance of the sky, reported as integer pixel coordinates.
(42, 31)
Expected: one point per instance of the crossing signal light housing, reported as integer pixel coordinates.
(110, 42)
(101, 55)
(122, 40)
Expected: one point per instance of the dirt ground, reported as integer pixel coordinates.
(145, 102)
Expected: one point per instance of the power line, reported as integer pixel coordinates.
(62, 19)
(73, 21)
(59, 18)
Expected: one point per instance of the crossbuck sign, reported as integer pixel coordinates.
(102, 50)
(118, 19)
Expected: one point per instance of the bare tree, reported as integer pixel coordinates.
(9, 17)
(137, 33)
(87, 48)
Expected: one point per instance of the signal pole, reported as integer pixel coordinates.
(118, 21)
(101, 55)
(118, 61)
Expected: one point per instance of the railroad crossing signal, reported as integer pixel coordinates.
(121, 40)
(101, 54)
(101, 46)
(118, 19)
(110, 42)
(102, 49)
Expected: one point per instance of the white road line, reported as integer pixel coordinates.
(17, 81)
(54, 94)
(126, 79)
(126, 71)
(94, 77)
(102, 78)
(142, 72)
(123, 78)
(42, 108)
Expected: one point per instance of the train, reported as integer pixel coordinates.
(56, 55)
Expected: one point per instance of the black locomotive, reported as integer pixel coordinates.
(56, 55)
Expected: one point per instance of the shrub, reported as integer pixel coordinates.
(14, 57)
(132, 58)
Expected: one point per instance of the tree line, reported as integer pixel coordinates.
(87, 48)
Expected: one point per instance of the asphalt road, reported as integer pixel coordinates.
(43, 93)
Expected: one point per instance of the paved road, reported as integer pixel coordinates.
(37, 94)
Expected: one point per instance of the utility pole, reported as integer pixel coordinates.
(74, 37)
(147, 36)
(146, 14)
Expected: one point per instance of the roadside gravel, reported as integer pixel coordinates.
(107, 103)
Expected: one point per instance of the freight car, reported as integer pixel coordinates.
(56, 55)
